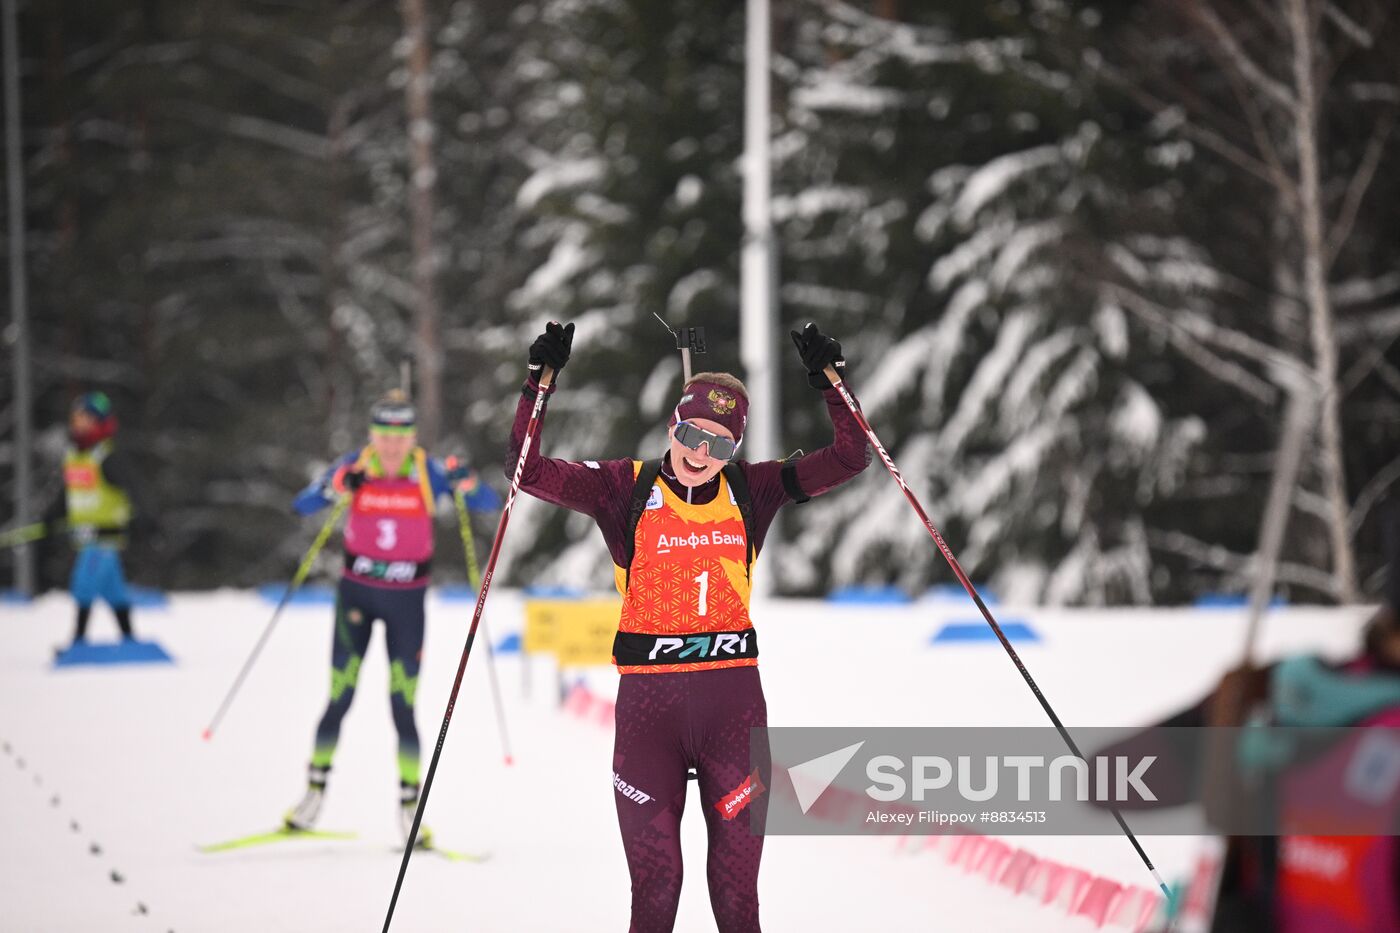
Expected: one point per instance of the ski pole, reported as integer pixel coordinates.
(24, 534)
(947, 552)
(292, 587)
(474, 575)
(546, 376)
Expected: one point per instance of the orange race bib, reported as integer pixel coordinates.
(686, 606)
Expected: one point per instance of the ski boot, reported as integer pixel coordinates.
(303, 816)
(408, 806)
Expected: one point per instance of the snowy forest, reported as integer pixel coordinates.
(1080, 256)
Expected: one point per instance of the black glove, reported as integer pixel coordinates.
(353, 480)
(818, 351)
(551, 348)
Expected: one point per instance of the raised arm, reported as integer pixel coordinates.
(840, 461)
(773, 484)
(589, 487)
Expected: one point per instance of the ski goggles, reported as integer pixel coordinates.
(692, 436)
(393, 430)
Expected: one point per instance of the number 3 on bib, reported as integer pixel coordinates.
(388, 534)
(704, 581)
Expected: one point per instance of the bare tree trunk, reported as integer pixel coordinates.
(59, 103)
(1303, 26)
(428, 348)
(337, 420)
(1302, 404)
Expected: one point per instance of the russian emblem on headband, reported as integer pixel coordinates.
(722, 402)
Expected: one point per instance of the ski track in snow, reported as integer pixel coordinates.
(121, 750)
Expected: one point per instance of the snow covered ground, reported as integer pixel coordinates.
(112, 759)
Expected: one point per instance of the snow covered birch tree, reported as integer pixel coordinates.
(1261, 104)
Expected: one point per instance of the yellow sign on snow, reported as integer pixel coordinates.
(578, 632)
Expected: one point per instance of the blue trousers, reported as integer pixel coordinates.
(97, 574)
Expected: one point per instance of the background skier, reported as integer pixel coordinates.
(394, 488)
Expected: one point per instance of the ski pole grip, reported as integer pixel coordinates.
(831, 374)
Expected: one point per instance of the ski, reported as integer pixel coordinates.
(277, 835)
(453, 855)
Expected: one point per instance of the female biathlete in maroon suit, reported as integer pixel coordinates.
(683, 531)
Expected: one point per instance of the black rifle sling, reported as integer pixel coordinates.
(734, 473)
(641, 492)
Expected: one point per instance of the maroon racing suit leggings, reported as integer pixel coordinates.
(668, 725)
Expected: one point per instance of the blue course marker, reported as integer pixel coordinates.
(112, 653)
(319, 595)
(1232, 601)
(509, 645)
(979, 631)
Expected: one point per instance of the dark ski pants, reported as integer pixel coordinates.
(667, 725)
(357, 607)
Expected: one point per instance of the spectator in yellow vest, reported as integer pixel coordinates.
(96, 508)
